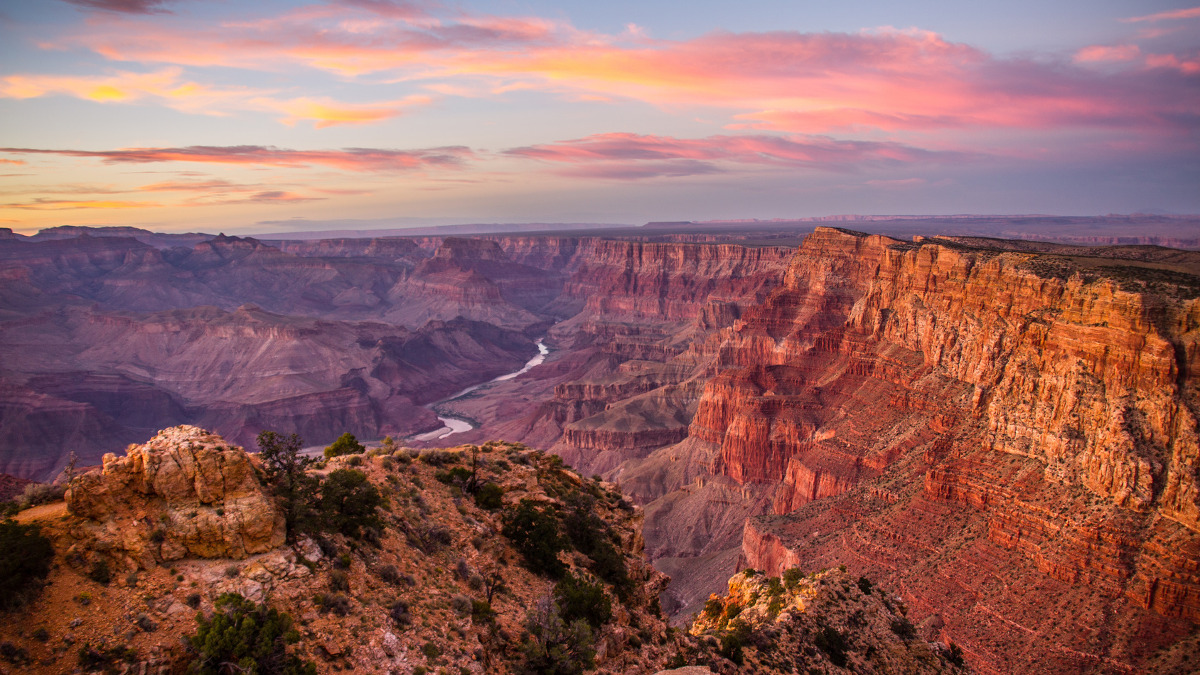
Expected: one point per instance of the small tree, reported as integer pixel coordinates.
(346, 444)
(287, 472)
(533, 530)
(349, 501)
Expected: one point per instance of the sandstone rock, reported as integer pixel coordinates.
(183, 493)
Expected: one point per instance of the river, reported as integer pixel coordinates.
(457, 425)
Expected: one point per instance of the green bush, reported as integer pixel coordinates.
(346, 444)
(251, 638)
(534, 532)
(733, 640)
(580, 599)
(25, 557)
(792, 577)
(349, 502)
(490, 497)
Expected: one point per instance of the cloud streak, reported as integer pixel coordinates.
(167, 87)
(632, 156)
(349, 159)
(124, 6)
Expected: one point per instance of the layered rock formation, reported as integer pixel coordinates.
(901, 400)
(184, 493)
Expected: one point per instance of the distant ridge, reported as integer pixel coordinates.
(437, 230)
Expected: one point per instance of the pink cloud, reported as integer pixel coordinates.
(1170, 15)
(622, 155)
(1103, 53)
(350, 159)
(786, 81)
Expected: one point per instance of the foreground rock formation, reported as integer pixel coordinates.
(184, 493)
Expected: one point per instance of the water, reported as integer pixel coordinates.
(457, 425)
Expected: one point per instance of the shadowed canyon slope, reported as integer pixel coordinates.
(1004, 431)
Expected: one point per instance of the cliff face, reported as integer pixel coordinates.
(1052, 412)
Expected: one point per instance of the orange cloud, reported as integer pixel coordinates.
(166, 86)
(327, 113)
(350, 159)
(66, 204)
(12, 161)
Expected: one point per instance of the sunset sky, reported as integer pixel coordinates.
(184, 115)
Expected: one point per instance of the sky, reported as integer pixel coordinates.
(220, 115)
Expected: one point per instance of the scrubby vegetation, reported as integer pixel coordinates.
(25, 557)
(346, 444)
(246, 638)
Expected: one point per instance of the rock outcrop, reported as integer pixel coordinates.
(184, 493)
(825, 621)
(1047, 405)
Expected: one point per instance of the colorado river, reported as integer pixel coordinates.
(457, 425)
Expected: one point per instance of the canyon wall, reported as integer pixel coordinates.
(965, 421)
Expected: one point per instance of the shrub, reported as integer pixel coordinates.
(389, 574)
(93, 658)
(833, 643)
(482, 612)
(554, 647)
(438, 457)
(100, 573)
(399, 613)
(430, 538)
(252, 638)
(348, 502)
(713, 608)
(18, 656)
(25, 557)
(955, 656)
(334, 602)
(193, 600)
(346, 444)
(490, 497)
(579, 599)
(792, 577)
(354, 460)
(533, 531)
(36, 494)
(904, 628)
(431, 651)
(864, 585)
(461, 605)
(339, 581)
(733, 640)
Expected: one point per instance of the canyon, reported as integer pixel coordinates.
(1005, 431)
